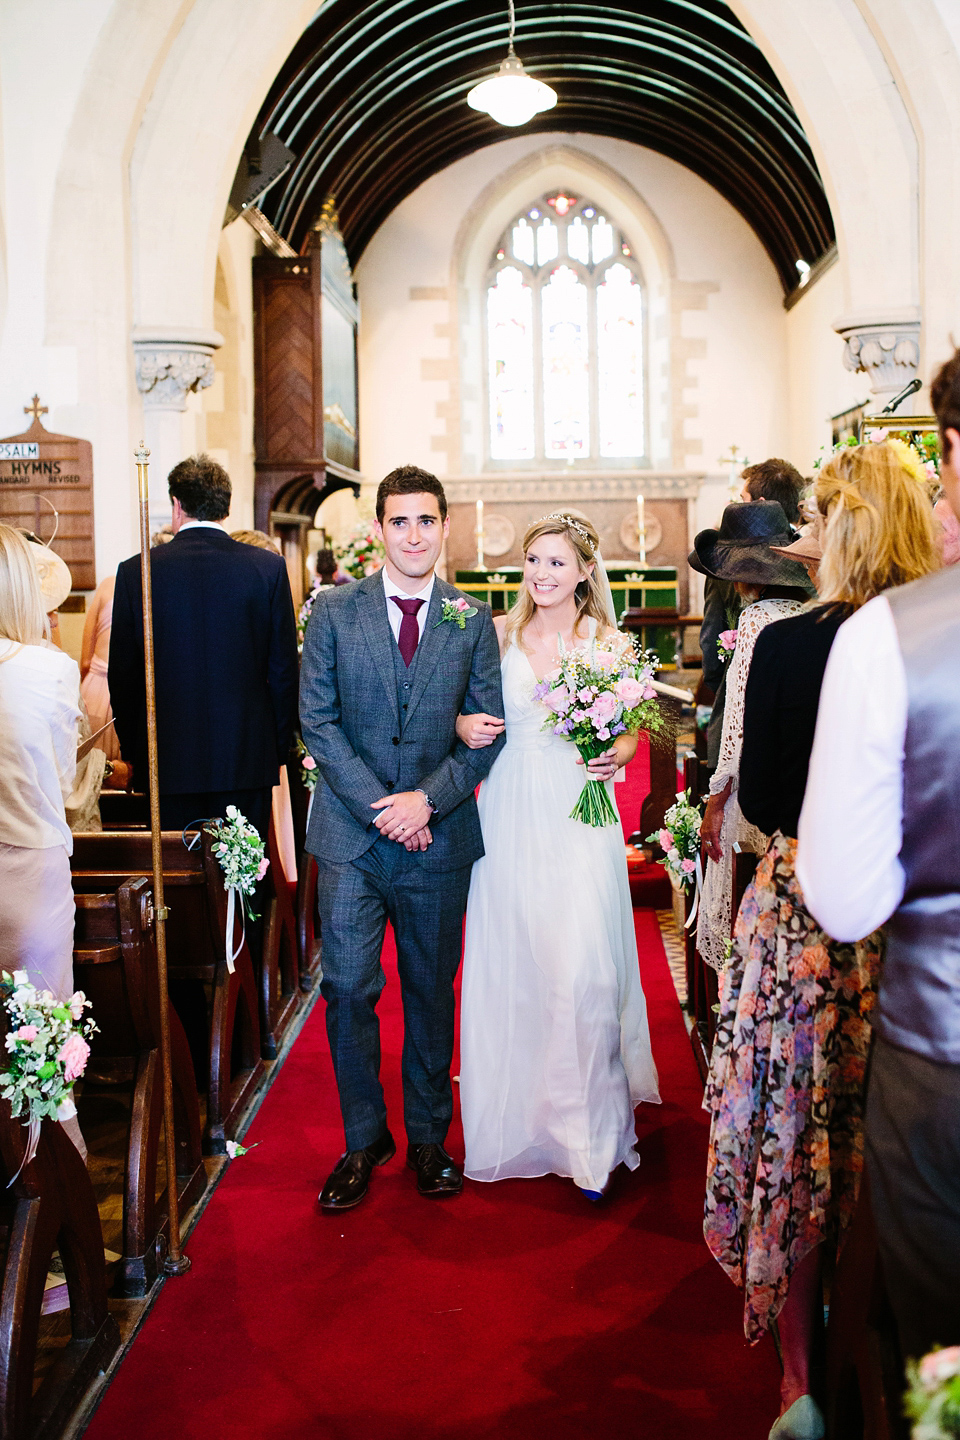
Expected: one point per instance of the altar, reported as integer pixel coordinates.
(638, 592)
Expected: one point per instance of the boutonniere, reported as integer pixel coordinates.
(458, 611)
(726, 644)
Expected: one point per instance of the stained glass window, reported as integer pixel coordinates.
(565, 337)
(510, 368)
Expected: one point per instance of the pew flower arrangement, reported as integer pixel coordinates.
(599, 690)
(48, 1048)
(363, 553)
(240, 854)
(306, 610)
(933, 1396)
(679, 839)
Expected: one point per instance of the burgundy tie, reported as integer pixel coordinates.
(409, 628)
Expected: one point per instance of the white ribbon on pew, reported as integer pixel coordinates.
(65, 1111)
(231, 951)
(698, 875)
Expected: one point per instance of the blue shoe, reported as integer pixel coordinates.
(593, 1195)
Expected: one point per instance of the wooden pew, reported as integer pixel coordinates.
(864, 1369)
(50, 1206)
(115, 964)
(277, 968)
(196, 931)
(663, 770)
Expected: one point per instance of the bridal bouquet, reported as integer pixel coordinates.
(680, 840)
(599, 690)
(47, 1045)
(933, 1399)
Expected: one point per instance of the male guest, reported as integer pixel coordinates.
(225, 650)
(388, 665)
(880, 839)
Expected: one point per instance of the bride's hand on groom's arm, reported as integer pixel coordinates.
(478, 731)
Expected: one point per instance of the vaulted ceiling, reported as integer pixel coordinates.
(372, 101)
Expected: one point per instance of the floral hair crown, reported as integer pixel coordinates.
(571, 524)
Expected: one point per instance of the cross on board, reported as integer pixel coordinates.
(35, 408)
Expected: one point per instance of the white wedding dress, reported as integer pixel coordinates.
(555, 1047)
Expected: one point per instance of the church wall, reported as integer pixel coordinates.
(818, 385)
(718, 345)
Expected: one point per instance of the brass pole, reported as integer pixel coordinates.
(176, 1263)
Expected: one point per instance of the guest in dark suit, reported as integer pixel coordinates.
(387, 668)
(225, 646)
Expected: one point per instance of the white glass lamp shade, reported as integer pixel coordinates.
(512, 97)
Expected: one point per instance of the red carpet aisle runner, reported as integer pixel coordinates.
(517, 1311)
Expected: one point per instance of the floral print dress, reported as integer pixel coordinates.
(785, 1089)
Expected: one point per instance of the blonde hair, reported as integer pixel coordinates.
(584, 541)
(257, 538)
(879, 528)
(21, 604)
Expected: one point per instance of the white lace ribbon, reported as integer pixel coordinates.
(698, 877)
(231, 951)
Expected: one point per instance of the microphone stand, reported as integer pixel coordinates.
(175, 1262)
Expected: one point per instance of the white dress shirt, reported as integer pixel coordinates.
(851, 825)
(395, 614)
(39, 716)
(202, 525)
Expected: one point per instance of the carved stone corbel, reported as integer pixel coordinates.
(169, 365)
(887, 348)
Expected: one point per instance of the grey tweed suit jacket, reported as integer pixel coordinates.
(366, 745)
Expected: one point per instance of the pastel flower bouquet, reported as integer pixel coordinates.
(933, 1395)
(47, 1046)
(363, 553)
(679, 839)
(599, 691)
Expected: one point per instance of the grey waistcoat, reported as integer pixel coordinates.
(920, 989)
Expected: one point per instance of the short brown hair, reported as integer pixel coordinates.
(410, 480)
(945, 398)
(776, 480)
(202, 487)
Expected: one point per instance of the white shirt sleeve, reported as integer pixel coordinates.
(851, 825)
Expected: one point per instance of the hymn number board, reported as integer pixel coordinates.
(39, 470)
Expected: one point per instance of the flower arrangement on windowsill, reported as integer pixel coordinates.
(933, 1395)
(362, 554)
(47, 1048)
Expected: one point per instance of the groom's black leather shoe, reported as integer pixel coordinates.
(437, 1173)
(348, 1183)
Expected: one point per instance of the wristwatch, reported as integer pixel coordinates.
(429, 803)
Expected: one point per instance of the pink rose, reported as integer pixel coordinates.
(940, 1365)
(73, 1057)
(27, 1032)
(309, 763)
(728, 639)
(628, 690)
(604, 708)
(687, 866)
(666, 839)
(460, 605)
(558, 699)
(604, 660)
(264, 867)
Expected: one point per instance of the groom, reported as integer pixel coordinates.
(387, 669)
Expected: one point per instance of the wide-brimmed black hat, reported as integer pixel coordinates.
(741, 548)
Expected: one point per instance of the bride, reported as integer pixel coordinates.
(555, 1048)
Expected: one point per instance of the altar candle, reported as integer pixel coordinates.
(479, 534)
(641, 531)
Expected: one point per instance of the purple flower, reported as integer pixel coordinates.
(617, 729)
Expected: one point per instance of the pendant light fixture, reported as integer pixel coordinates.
(512, 97)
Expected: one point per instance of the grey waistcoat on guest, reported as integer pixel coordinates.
(920, 988)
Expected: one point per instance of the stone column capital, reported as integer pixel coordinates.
(170, 363)
(885, 346)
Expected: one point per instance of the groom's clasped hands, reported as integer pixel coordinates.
(404, 818)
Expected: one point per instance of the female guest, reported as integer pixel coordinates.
(771, 587)
(94, 654)
(39, 715)
(787, 1071)
(555, 1049)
